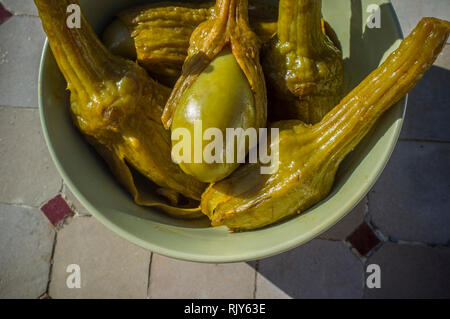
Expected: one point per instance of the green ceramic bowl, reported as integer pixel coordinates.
(89, 179)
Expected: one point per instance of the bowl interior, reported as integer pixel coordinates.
(91, 182)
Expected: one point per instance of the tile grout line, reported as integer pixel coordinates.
(377, 232)
(255, 285)
(381, 237)
(328, 238)
(50, 271)
(18, 14)
(19, 107)
(387, 238)
(20, 205)
(362, 259)
(61, 189)
(423, 140)
(416, 243)
(24, 15)
(363, 288)
(149, 274)
(366, 206)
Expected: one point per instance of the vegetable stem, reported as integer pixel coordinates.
(81, 57)
(344, 126)
(300, 25)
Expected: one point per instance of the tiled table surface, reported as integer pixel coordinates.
(403, 225)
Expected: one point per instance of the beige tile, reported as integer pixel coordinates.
(443, 59)
(170, 278)
(26, 238)
(20, 7)
(411, 271)
(317, 269)
(267, 290)
(110, 267)
(411, 199)
(427, 114)
(27, 173)
(21, 42)
(410, 12)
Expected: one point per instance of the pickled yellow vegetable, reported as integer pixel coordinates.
(304, 68)
(161, 33)
(225, 84)
(158, 34)
(223, 42)
(309, 155)
(118, 107)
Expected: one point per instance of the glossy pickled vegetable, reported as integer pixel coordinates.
(310, 154)
(223, 42)
(160, 32)
(304, 68)
(226, 83)
(117, 107)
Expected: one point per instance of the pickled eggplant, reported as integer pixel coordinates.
(304, 68)
(310, 154)
(132, 35)
(222, 85)
(118, 107)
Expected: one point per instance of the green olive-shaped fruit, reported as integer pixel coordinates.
(220, 98)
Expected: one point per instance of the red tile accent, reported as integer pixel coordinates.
(363, 239)
(56, 209)
(4, 14)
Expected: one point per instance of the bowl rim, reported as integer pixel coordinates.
(295, 241)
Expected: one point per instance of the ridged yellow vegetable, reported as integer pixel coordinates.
(309, 155)
(222, 83)
(158, 33)
(303, 67)
(118, 108)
